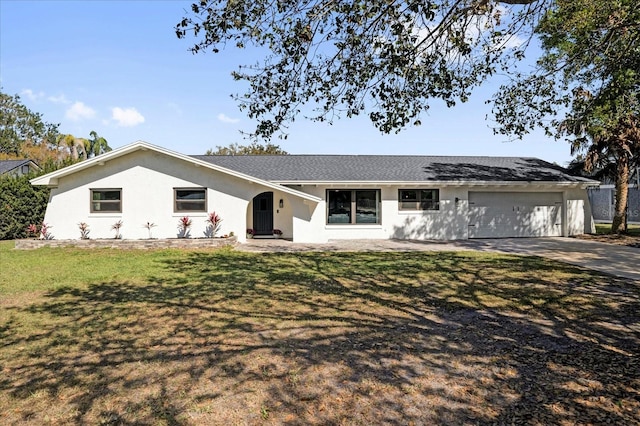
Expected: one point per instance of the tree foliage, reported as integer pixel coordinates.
(83, 148)
(585, 88)
(389, 59)
(21, 127)
(21, 204)
(96, 145)
(73, 146)
(23, 134)
(589, 67)
(252, 149)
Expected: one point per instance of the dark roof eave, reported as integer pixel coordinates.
(437, 182)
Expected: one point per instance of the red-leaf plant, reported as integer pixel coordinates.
(44, 231)
(183, 225)
(32, 230)
(214, 220)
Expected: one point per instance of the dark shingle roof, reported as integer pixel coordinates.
(8, 165)
(392, 168)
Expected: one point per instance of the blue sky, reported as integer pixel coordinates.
(117, 67)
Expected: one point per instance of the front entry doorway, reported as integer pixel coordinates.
(263, 213)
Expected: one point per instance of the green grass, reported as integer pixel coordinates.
(605, 228)
(50, 268)
(226, 337)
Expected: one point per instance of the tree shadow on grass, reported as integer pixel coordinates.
(329, 338)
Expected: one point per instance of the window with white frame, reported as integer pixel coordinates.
(418, 199)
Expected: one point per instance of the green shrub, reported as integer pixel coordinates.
(21, 204)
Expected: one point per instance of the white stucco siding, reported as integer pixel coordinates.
(308, 221)
(579, 214)
(540, 212)
(448, 222)
(147, 180)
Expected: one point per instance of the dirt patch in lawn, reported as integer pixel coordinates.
(622, 240)
(327, 338)
(603, 235)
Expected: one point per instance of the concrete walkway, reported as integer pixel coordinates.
(609, 258)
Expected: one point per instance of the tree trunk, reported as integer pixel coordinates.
(619, 225)
(74, 150)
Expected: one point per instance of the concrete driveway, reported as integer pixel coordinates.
(612, 259)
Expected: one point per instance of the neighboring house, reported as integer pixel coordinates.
(17, 167)
(314, 198)
(603, 201)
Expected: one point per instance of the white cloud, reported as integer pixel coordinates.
(38, 96)
(79, 111)
(126, 117)
(60, 99)
(476, 31)
(33, 96)
(225, 119)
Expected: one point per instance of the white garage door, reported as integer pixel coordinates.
(515, 214)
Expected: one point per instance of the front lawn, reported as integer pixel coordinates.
(225, 337)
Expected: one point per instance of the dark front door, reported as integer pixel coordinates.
(263, 213)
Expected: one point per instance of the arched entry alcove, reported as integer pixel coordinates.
(263, 213)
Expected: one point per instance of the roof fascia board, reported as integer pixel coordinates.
(35, 164)
(51, 179)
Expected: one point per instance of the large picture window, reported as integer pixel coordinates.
(190, 199)
(360, 206)
(106, 200)
(419, 199)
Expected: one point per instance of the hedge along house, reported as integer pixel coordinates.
(315, 198)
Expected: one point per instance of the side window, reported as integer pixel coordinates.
(418, 199)
(190, 199)
(106, 200)
(339, 206)
(430, 199)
